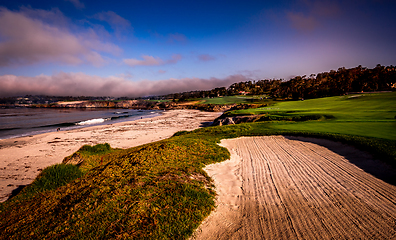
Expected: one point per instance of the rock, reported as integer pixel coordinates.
(75, 159)
(235, 120)
(223, 121)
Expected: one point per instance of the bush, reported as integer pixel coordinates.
(53, 177)
(97, 149)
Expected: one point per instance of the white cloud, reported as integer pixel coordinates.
(28, 40)
(152, 61)
(119, 24)
(113, 19)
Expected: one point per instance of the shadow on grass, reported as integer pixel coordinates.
(16, 191)
(359, 158)
(205, 124)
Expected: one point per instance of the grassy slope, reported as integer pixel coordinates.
(154, 191)
(371, 115)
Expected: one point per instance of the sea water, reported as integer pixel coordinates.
(18, 122)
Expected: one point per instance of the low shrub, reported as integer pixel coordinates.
(52, 178)
(97, 149)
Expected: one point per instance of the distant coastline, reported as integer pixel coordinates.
(126, 104)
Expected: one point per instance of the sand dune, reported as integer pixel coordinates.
(291, 188)
(22, 159)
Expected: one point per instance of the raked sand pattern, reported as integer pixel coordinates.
(291, 188)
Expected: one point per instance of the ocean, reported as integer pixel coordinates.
(18, 122)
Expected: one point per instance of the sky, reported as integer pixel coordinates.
(154, 47)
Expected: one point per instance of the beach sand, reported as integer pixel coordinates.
(22, 159)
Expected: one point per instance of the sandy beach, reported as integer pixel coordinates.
(22, 159)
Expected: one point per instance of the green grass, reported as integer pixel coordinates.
(159, 190)
(371, 115)
(92, 156)
(155, 100)
(51, 178)
(385, 130)
(236, 99)
(94, 150)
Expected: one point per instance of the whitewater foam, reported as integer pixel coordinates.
(92, 121)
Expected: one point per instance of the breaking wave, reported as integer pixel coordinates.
(93, 121)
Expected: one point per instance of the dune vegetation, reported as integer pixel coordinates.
(159, 190)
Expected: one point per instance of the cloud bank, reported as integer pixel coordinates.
(26, 38)
(80, 84)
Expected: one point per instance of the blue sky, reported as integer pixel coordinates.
(140, 48)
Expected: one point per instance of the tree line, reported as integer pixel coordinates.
(324, 84)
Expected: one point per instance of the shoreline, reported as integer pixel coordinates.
(105, 117)
(23, 158)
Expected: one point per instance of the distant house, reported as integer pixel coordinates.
(243, 93)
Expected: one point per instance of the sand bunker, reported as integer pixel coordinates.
(291, 188)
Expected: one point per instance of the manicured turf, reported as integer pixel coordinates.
(371, 115)
(385, 130)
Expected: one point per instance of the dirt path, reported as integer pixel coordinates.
(290, 188)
